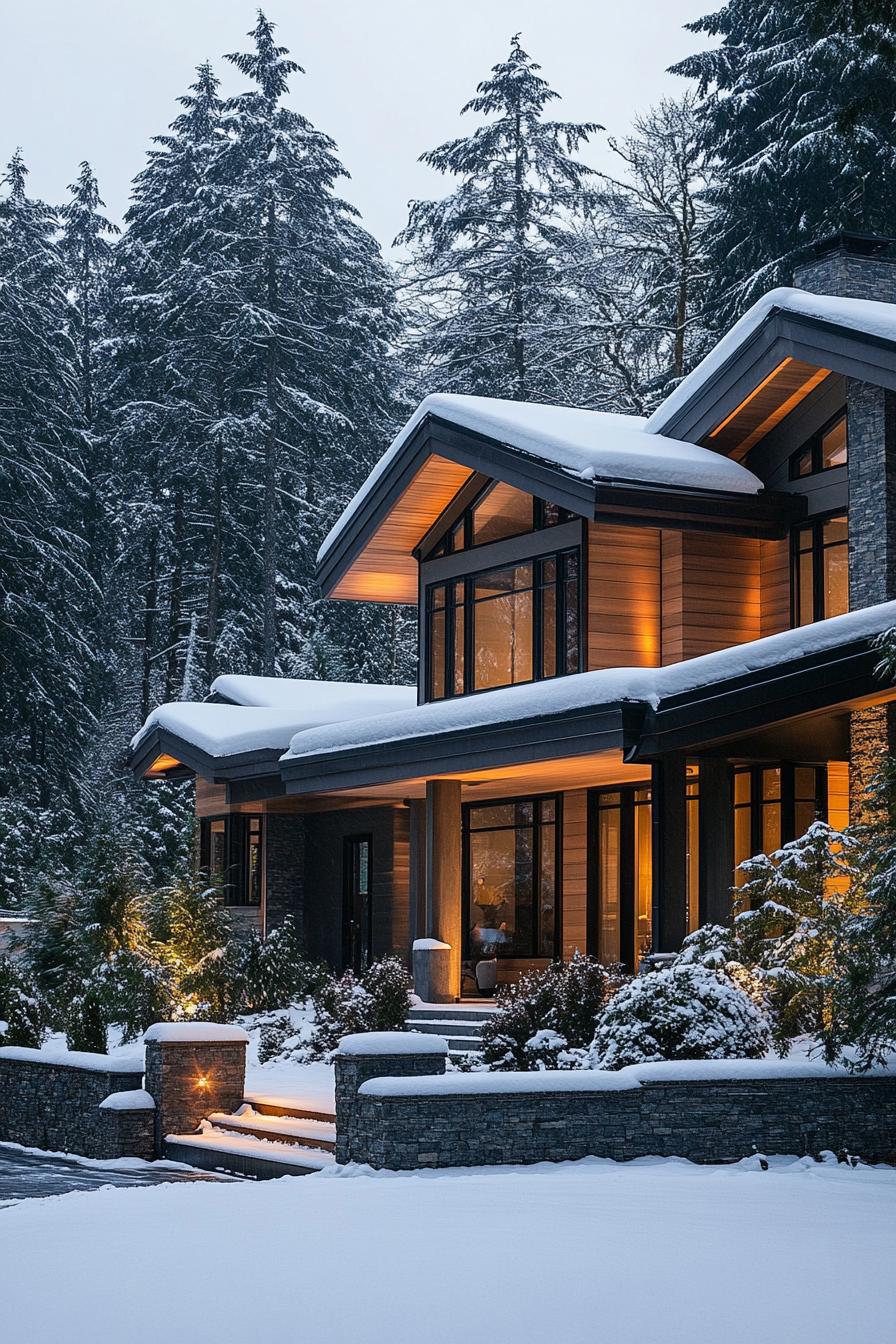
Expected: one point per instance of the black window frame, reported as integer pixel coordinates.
(538, 825)
(234, 881)
(818, 547)
(812, 446)
(545, 515)
(459, 592)
(787, 801)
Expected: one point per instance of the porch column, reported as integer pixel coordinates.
(716, 840)
(670, 847)
(443, 870)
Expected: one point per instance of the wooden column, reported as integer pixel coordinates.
(443, 870)
(416, 869)
(669, 814)
(716, 840)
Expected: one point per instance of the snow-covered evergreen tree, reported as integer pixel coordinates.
(486, 279)
(799, 107)
(45, 585)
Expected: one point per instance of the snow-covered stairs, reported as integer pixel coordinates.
(459, 1023)
(260, 1140)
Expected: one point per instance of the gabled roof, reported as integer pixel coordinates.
(586, 461)
(817, 332)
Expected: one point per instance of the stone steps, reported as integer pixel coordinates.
(458, 1023)
(244, 1155)
(265, 1105)
(296, 1132)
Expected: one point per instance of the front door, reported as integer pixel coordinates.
(356, 911)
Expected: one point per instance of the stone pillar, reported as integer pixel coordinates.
(443, 872)
(670, 830)
(716, 840)
(872, 562)
(284, 850)
(193, 1069)
(378, 1054)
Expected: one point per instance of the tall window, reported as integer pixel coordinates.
(623, 854)
(820, 569)
(514, 624)
(232, 853)
(511, 878)
(826, 449)
(774, 804)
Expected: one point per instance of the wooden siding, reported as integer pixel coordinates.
(710, 593)
(779, 393)
(575, 873)
(838, 794)
(774, 571)
(622, 596)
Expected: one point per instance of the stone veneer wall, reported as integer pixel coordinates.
(53, 1105)
(284, 870)
(352, 1071)
(706, 1120)
(189, 1080)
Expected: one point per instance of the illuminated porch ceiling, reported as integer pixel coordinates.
(773, 398)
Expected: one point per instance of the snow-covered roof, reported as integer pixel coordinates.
(590, 445)
(589, 690)
(269, 711)
(865, 316)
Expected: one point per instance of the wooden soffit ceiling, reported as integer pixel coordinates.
(385, 570)
(766, 406)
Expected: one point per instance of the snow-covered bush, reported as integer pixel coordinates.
(377, 1001)
(688, 1011)
(277, 972)
(546, 1019)
(23, 1017)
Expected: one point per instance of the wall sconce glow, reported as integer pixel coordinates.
(202, 1082)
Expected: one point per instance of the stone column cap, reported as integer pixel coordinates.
(196, 1033)
(392, 1043)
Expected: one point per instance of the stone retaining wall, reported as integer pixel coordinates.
(451, 1121)
(55, 1105)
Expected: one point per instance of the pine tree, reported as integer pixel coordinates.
(45, 659)
(799, 103)
(485, 277)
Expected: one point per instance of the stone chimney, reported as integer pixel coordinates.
(852, 266)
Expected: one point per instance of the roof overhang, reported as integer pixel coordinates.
(767, 375)
(162, 754)
(373, 559)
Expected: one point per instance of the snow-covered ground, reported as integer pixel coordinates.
(583, 1251)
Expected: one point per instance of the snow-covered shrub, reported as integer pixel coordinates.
(717, 947)
(546, 1019)
(378, 1001)
(688, 1011)
(23, 1017)
(277, 971)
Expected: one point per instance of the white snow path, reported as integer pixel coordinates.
(586, 1251)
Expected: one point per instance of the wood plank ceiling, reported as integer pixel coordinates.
(766, 406)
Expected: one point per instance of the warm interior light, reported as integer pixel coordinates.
(162, 763)
(202, 1082)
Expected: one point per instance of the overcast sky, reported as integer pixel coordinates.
(96, 79)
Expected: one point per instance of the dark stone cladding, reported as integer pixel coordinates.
(284, 869)
(849, 274)
(353, 1070)
(57, 1107)
(705, 1121)
(189, 1080)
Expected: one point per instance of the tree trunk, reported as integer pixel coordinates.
(175, 595)
(519, 216)
(214, 567)
(269, 520)
(150, 611)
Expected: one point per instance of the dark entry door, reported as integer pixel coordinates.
(356, 911)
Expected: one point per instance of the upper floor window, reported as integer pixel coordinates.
(503, 626)
(500, 511)
(820, 569)
(828, 448)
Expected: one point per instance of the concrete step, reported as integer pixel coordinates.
(300, 1133)
(464, 1045)
(244, 1155)
(268, 1105)
(446, 1026)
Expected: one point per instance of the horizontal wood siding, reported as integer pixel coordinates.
(710, 593)
(623, 596)
(575, 872)
(838, 794)
(774, 570)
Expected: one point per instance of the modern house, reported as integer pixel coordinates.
(647, 651)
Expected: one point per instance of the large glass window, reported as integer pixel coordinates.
(232, 853)
(623, 873)
(774, 804)
(511, 878)
(498, 512)
(820, 570)
(514, 624)
(826, 449)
